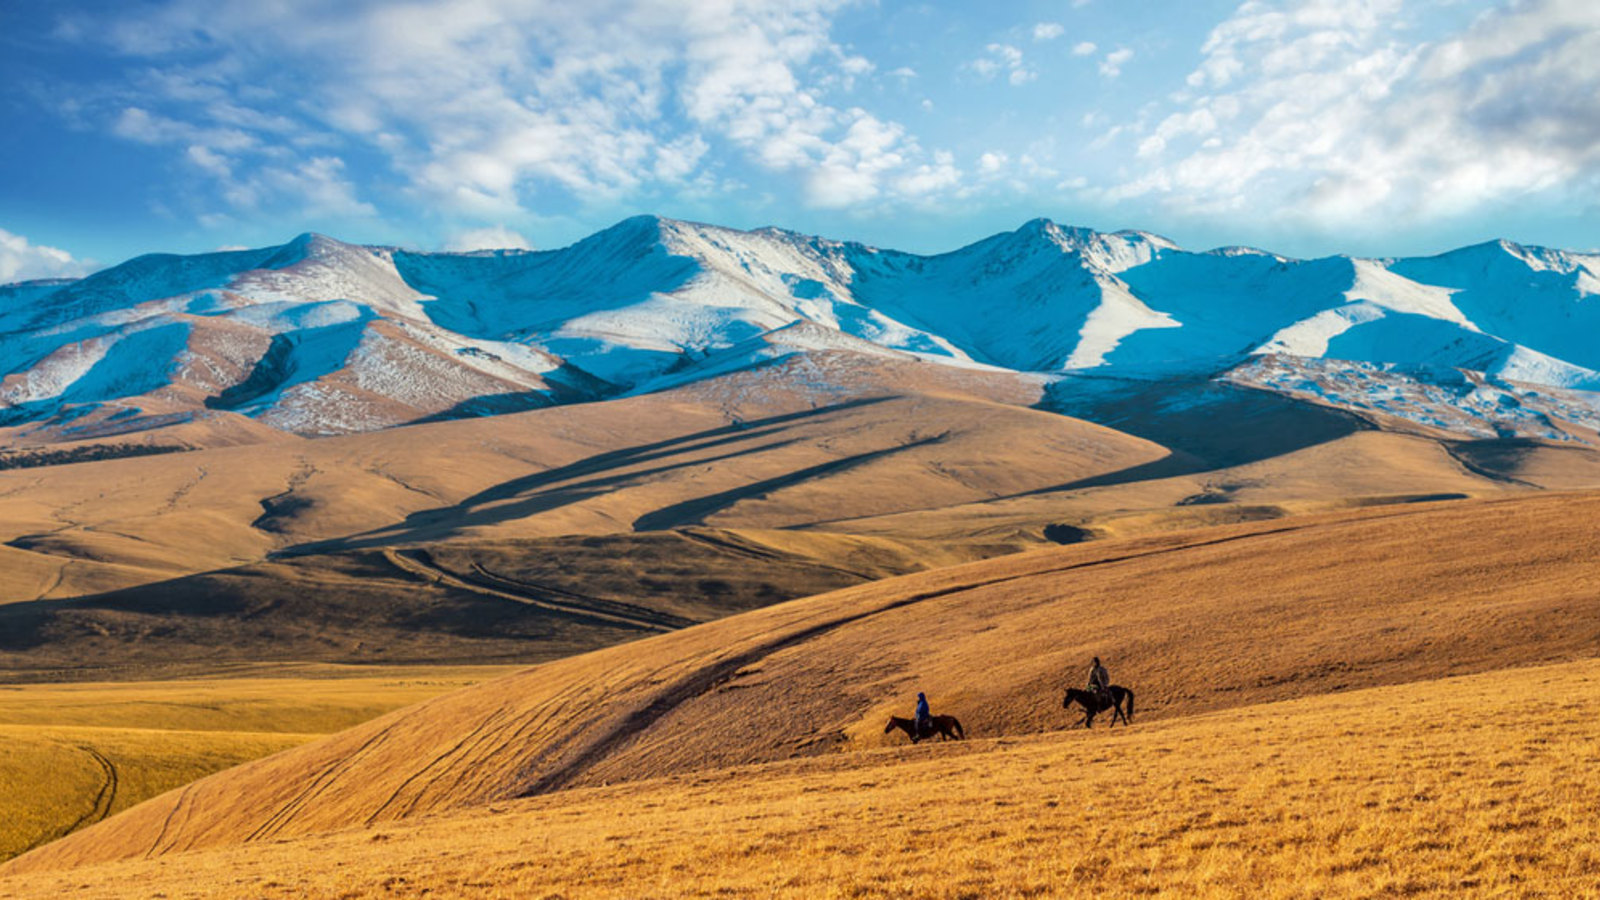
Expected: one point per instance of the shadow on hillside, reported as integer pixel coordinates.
(1206, 424)
(578, 481)
(691, 512)
(370, 607)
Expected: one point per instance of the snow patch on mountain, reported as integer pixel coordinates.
(319, 336)
(1471, 404)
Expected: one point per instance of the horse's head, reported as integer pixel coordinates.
(1066, 702)
(890, 726)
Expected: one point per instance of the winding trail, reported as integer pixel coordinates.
(420, 564)
(747, 549)
(104, 797)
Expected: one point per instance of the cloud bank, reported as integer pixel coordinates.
(1335, 112)
(24, 261)
(487, 108)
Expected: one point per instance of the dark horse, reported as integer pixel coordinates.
(947, 726)
(1094, 704)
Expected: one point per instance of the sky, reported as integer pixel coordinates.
(1307, 127)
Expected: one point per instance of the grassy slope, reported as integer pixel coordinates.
(749, 449)
(485, 601)
(1435, 788)
(1197, 622)
(70, 755)
(892, 469)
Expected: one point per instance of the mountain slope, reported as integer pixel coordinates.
(319, 337)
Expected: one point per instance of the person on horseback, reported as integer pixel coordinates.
(924, 717)
(1100, 681)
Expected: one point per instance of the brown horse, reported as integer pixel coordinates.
(949, 727)
(1093, 703)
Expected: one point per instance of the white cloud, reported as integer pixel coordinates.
(496, 237)
(137, 124)
(24, 261)
(480, 104)
(1111, 65)
(1084, 48)
(1002, 59)
(318, 184)
(991, 162)
(1048, 31)
(679, 159)
(1335, 113)
(940, 175)
(852, 170)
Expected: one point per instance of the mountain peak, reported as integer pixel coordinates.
(634, 229)
(308, 246)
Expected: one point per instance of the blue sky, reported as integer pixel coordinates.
(1377, 127)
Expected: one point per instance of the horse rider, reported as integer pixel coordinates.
(924, 716)
(1100, 681)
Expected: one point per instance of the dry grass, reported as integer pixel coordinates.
(71, 755)
(761, 455)
(57, 780)
(1364, 468)
(1196, 622)
(1478, 786)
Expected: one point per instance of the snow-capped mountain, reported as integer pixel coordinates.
(317, 336)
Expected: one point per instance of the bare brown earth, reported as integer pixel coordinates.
(1197, 622)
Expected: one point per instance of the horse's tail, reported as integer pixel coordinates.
(955, 723)
(1129, 713)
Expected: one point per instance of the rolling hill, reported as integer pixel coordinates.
(1438, 788)
(739, 494)
(1198, 622)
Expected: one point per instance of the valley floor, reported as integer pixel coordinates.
(74, 754)
(1477, 785)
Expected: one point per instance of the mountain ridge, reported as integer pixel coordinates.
(317, 336)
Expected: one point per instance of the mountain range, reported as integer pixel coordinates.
(718, 487)
(319, 337)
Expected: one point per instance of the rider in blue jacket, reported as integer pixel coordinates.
(924, 717)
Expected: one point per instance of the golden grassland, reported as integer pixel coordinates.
(1481, 785)
(771, 458)
(57, 780)
(73, 754)
(1198, 622)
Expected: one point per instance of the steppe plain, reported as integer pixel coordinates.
(1363, 652)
